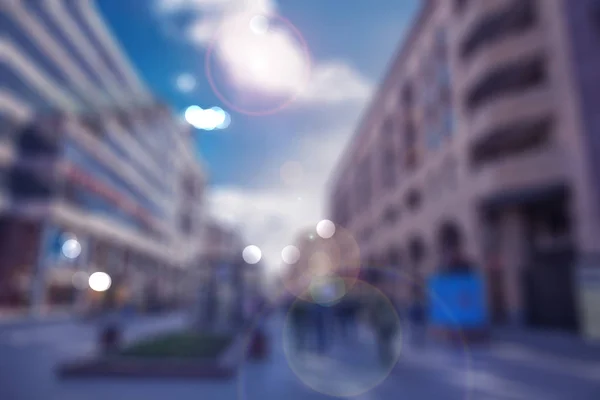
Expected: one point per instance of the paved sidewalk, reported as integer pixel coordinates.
(9, 321)
(560, 344)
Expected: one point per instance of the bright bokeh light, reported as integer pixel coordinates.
(252, 254)
(259, 25)
(325, 229)
(186, 83)
(99, 281)
(71, 248)
(80, 280)
(290, 254)
(208, 120)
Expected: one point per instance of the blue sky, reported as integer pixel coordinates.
(350, 43)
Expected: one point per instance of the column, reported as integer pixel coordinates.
(83, 265)
(513, 244)
(38, 287)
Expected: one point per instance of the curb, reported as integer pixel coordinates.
(145, 369)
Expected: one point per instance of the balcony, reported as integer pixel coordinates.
(507, 51)
(534, 103)
(473, 11)
(494, 22)
(506, 81)
(544, 166)
(510, 140)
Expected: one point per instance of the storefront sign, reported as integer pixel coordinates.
(457, 301)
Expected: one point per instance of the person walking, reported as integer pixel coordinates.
(320, 320)
(417, 318)
(299, 314)
(385, 323)
(347, 311)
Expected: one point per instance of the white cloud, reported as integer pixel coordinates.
(272, 217)
(275, 62)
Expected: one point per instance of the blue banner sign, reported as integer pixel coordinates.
(457, 301)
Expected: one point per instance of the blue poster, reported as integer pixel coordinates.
(457, 301)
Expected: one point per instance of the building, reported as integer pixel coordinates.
(484, 132)
(228, 282)
(87, 151)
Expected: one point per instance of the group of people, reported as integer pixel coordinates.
(315, 327)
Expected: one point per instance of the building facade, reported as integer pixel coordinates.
(484, 130)
(87, 152)
(229, 284)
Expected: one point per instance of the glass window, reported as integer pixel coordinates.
(460, 5)
(80, 158)
(25, 184)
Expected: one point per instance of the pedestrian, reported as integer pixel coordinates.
(385, 323)
(347, 312)
(319, 322)
(417, 318)
(299, 318)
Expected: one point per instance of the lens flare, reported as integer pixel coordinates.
(345, 367)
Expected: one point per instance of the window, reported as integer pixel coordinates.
(364, 183)
(390, 215)
(388, 127)
(388, 169)
(24, 183)
(516, 19)
(394, 257)
(448, 123)
(410, 134)
(185, 223)
(7, 127)
(413, 200)
(596, 14)
(460, 5)
(407, 94)
(450, 172)
(36, 141)
(507, 79)
(94, 125)
(441, 44)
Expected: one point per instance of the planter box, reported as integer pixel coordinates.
(225, 366)
(125, 367)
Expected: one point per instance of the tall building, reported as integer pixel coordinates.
(484, 131)
(87, 152)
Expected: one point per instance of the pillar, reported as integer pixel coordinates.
(513, 244)
(39, 284)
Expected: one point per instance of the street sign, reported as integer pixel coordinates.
(457, 301)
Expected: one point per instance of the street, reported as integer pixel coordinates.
(504, 370)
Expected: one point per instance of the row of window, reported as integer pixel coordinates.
(96, 204)
(80, 158)
(157, 178)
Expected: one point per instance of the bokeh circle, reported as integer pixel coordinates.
(247, 371)
(334, 257)
(208, 58)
